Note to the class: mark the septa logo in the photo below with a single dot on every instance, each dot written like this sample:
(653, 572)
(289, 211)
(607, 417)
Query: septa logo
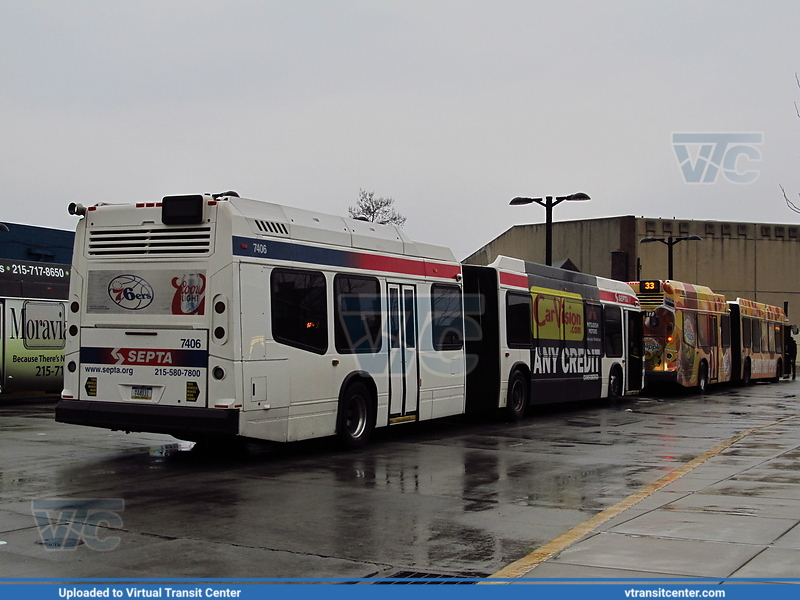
(137, 356)
(130, 292)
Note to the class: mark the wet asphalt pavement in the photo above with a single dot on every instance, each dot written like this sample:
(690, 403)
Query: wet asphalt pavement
(451, 497)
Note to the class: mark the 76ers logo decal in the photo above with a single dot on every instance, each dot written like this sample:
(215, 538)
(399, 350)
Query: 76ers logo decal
(130, 292)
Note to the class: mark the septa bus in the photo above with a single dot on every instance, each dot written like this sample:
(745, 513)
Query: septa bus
(759, 329)
(693, 337)
(32, 324)
(214, 316)
(545, 335)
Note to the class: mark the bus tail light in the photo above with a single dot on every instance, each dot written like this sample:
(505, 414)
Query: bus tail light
(220, 316)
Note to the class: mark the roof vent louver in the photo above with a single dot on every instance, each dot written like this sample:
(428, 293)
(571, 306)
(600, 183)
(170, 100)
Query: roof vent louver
(150, 242)
(272, 227)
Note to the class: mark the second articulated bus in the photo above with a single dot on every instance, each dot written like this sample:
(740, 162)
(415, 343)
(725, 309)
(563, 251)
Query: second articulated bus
(758, 328)
(207, 316)
(693, 337)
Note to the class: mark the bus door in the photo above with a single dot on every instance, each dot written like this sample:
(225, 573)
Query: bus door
(635, 362)
(403, 367)
(713, 359)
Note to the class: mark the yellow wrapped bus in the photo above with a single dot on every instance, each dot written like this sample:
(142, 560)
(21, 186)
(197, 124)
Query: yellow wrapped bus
(693, 337)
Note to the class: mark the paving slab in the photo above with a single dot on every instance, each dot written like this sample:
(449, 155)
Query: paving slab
(772, 563)
(651, 555)
(708, 502)
(713, 527)
(563, 570)
(791, 539)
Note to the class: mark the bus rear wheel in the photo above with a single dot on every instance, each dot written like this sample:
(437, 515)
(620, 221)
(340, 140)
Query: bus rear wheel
(356, 416)
(778, 372)
(517, 402)
(746, 377)
(614, 383)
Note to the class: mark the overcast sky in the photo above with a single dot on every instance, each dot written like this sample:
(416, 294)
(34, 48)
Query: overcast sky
(450, 107)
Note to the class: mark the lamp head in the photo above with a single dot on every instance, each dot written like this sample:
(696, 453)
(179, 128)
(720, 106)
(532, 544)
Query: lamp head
(578, 196)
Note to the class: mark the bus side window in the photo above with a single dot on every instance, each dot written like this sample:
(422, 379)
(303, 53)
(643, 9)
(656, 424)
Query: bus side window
(725, 327)
(52, 335)
(778, 338)
(613, 331)
(358, 314)
(756, 334)
(690, 329)
(703, 335)
(447, 326)
(767, 340)
(518, 320)
(394, 318)
(299, 309)
(747, 333)
(594, 327)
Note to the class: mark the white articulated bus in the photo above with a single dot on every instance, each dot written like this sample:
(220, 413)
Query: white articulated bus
(215, 316)
(201, 316)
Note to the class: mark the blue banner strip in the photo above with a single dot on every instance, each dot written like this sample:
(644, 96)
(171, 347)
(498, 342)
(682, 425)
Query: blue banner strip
(421, 589)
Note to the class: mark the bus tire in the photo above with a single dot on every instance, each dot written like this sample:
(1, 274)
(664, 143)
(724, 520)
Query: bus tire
(747, 376)
(355, 418)
(614, 383)
(518, 396)
(778, 372)
(702, 378)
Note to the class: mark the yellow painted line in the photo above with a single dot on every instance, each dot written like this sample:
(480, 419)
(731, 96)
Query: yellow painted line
(553, 547)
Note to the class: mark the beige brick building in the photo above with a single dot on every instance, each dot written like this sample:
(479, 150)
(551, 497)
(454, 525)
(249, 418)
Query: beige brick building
(759, 261)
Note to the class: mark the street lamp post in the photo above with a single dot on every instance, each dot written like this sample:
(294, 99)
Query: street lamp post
(549, 202)
(670, 242)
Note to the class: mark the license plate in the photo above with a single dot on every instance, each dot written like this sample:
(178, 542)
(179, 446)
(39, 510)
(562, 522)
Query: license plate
(142, 393)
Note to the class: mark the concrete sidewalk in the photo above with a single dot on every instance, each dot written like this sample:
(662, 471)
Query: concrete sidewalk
(736, 515)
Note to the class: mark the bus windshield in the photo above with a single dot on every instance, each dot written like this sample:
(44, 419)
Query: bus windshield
(659, 327)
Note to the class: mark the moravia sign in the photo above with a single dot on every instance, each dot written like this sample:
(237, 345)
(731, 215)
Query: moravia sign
(40, 325)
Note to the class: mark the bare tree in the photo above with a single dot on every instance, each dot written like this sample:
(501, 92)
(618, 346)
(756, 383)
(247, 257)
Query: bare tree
(378, 210)
(789, 203)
